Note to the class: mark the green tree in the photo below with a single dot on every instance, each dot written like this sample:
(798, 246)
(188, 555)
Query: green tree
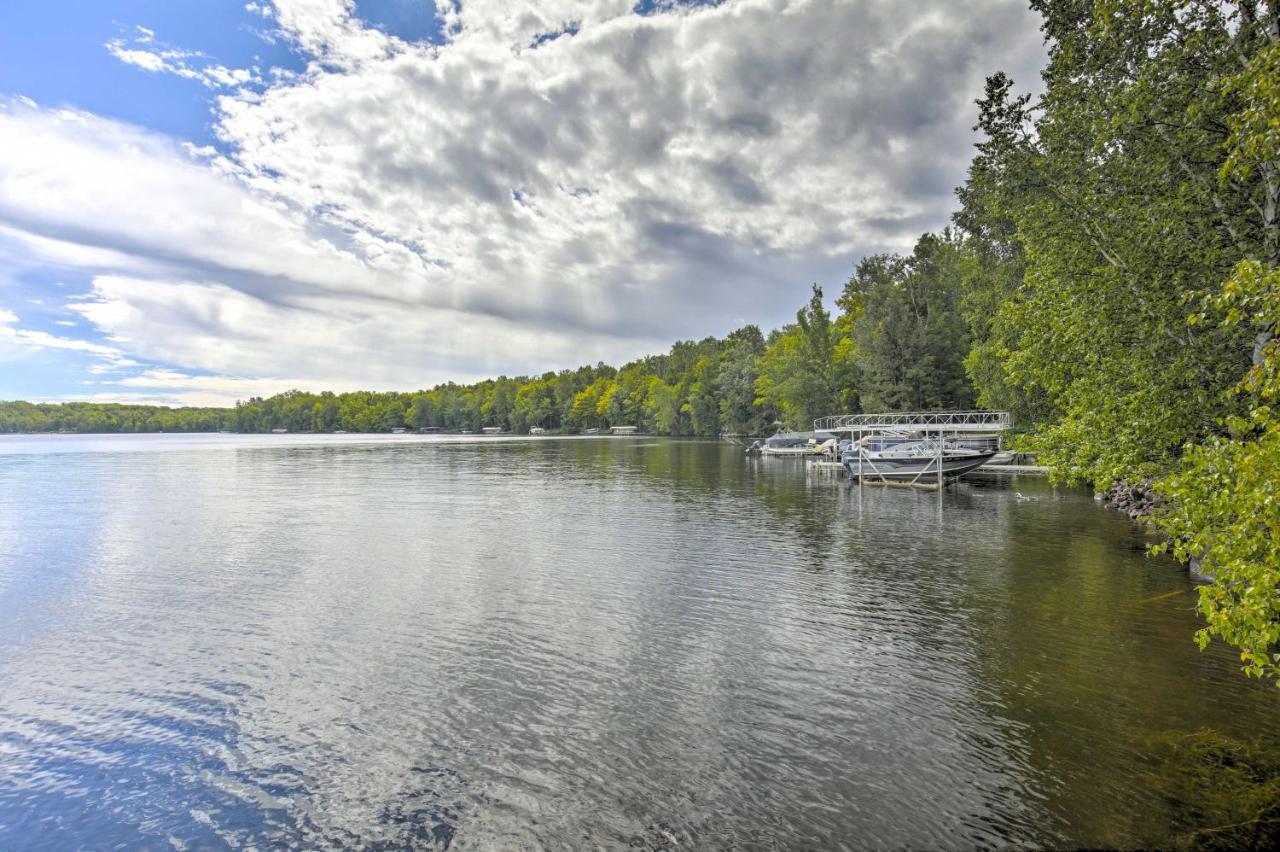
(737, 383)
(796, 372)
(1224, 502)
(1111, 180)
(703, 406)
(908, 337)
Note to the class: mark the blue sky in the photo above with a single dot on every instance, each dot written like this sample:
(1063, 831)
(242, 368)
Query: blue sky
(202, 200)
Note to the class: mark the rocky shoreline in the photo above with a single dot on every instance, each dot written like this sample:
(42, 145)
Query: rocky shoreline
(1137, 500)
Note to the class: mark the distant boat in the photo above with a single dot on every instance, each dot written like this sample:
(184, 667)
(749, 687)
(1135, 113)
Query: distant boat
(279, 431)
(399, 430)
(537, 430)
(592, 432)
(797, 443)
(492, 430)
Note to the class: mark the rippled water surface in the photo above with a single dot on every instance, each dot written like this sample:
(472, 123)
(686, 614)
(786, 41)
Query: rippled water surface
(304, 641)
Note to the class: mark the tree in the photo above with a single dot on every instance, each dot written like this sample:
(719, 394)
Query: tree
(736, 382)
(796, 372)
(1112, 179)
(909, 339)
(662, 406)
(1224, 502)
(421, 412)
(703, 406)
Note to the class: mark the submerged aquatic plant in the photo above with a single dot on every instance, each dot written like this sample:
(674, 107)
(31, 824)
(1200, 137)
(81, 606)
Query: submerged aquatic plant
(1221, 793)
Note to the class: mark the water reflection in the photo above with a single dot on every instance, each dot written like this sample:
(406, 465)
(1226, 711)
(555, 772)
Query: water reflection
(485, 643)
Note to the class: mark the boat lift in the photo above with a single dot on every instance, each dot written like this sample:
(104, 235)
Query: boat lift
(942, 424)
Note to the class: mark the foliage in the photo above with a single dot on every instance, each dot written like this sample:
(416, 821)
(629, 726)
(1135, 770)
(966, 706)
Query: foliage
(1224, 508)
(909, 339)
(797, 371)
(109, 417)
(1109, 187)
(1099, 217)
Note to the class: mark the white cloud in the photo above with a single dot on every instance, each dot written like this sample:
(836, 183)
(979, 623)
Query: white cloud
(342, 341)
(44, 340)
(142, 51)
(403, 213)
(7, 316)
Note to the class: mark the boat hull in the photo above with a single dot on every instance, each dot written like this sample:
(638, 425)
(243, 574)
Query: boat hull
(910, 468)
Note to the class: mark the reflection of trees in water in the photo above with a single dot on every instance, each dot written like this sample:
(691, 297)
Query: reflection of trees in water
(714, 477)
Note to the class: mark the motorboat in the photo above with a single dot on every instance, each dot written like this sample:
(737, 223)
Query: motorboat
(913, 459)
(798, 444)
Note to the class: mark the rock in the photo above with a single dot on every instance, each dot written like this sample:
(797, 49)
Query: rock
(1136, 500)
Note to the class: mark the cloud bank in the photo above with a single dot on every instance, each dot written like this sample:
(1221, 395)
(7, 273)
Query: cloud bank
(555, 183)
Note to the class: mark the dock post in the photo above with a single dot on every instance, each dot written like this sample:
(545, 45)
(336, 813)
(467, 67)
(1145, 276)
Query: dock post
(939, 461)
(860, 452)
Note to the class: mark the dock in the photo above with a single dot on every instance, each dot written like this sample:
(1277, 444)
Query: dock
(1015, 469)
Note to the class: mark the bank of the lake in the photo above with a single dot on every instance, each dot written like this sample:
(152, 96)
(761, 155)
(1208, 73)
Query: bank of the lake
(300, 641)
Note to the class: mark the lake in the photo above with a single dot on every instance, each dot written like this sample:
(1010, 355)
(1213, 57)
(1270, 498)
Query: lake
(216, 641)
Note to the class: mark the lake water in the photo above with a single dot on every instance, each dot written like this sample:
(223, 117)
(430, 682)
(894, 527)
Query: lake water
(316, 641)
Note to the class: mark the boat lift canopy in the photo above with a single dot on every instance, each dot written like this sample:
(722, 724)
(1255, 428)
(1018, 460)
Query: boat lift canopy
(936, 422)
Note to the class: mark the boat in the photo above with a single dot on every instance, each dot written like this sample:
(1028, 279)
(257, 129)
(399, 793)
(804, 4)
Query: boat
(984, 443)
(913, 459)
(798, 444)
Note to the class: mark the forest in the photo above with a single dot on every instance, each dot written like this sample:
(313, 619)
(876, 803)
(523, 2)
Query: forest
(1111, 275)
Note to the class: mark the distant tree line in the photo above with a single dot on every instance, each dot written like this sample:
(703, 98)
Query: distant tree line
(108, 417)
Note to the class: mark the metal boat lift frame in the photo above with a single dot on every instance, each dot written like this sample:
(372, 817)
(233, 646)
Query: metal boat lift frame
(937, 423)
